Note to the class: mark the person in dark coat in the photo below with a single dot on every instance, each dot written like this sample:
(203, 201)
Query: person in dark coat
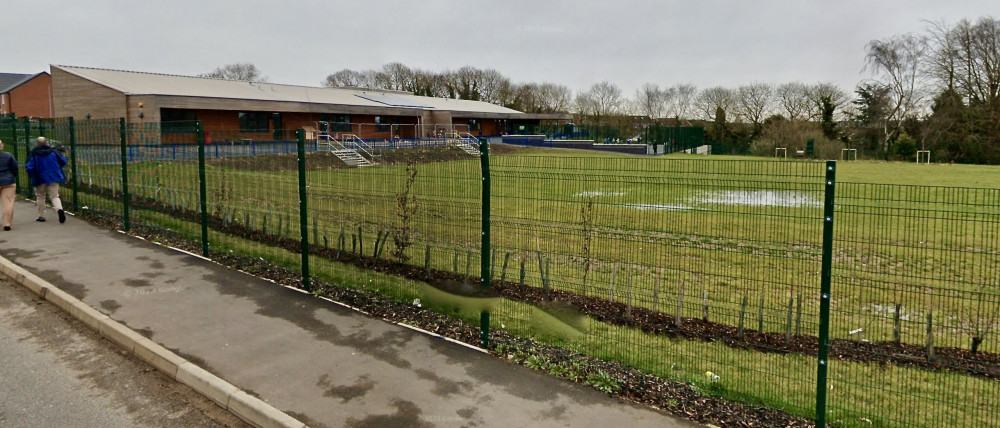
(8, 190)
(44, 167)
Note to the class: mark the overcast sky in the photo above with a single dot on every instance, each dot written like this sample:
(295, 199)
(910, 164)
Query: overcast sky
(576, 43)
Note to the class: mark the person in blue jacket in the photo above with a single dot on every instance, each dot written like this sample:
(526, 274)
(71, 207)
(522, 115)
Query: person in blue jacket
(44, 167)
(8, 170)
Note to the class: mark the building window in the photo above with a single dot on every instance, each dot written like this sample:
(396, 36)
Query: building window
(253, 121)
(177, 120)
(338, 122)
(384, 124)
(473, 125)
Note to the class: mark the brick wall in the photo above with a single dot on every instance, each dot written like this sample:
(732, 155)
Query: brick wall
(78, 97)
(32, 98)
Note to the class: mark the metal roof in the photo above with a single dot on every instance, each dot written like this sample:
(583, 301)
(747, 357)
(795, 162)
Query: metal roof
(10, 81)
(140, 83)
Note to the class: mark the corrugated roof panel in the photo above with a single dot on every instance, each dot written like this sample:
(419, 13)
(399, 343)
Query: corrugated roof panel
(138, 83)
(394, 101)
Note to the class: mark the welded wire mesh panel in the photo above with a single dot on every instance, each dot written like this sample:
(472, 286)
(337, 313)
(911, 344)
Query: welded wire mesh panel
(98, 165)
(915, 296)
(252, 195)
(408, 226)
(688, 269)
(163, 180)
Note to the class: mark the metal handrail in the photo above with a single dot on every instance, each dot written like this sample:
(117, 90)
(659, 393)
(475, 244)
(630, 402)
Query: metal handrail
(359, 144)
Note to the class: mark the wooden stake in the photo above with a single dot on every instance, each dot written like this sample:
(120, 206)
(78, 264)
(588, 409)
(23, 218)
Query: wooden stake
(628, 298)
(361, 243)
(743, 313)
(930, 337)
(680, 305)
(503, 273)
(522, 277)
(798, 315)
(547, 281)
(468, 264)
(493, 264)
(378, 239)
(656, 294)
(614, 274)
(427, 260)
(541, 273)
(760, 316)
(704, 305)
(788, 321)
(896, 334)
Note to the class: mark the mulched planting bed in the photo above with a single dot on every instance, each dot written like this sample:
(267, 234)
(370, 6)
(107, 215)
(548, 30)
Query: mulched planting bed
(980, 364)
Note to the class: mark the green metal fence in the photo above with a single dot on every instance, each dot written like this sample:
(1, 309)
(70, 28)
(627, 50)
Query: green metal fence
(762, 282)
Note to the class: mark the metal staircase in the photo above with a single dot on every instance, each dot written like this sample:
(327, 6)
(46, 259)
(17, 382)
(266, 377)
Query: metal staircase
(468, 143)
(349, 148)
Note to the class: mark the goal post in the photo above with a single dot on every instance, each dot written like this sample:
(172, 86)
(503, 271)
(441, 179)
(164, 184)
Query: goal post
(849, 154)
(781, 152)
(923, 156)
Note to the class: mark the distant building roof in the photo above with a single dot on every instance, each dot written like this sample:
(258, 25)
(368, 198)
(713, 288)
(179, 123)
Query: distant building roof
(10, 81)
(140, 83)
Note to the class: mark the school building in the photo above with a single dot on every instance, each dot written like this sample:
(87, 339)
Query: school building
(266, 111)
(26, 95)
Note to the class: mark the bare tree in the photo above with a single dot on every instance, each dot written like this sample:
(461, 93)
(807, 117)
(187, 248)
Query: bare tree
(681, 100)
(557, 97)
(429, 84)
(493, 86)
(244, 71)
(819, 92)
(650, 101)
(711, 100)
(794, 100)
(344, 78)
(600, 101)
(897, 63)
(396, 77)
(753, 102)
(966, 58)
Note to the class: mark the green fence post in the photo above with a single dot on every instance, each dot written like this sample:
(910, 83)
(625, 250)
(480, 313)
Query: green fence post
(72, 164)
(13, 152)
(484, 256)
(27, 150)
(303, 211)
(824, 303)
(123, 136)
(202, 187)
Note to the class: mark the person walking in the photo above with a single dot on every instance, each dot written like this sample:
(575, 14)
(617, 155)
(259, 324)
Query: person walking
(8, 190)
(44, 167)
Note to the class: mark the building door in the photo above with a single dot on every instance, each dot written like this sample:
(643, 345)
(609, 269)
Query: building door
(277, 127)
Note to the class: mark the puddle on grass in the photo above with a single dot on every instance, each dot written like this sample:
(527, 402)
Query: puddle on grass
(659, 207)
(758, 198)
(754, 198)
(590, 194)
